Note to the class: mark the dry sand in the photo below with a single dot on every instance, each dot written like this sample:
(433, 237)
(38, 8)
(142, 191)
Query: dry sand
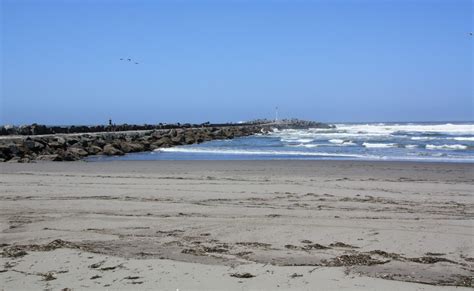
(236, 225)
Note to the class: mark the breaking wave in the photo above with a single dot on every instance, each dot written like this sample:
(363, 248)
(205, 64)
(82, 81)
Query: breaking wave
(374, 141)
(379, 145)
(446, 147)
(254, 152)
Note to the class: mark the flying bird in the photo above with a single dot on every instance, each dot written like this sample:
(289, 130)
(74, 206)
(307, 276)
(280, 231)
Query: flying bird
(129, 60)
(136, 63)
(121, 59)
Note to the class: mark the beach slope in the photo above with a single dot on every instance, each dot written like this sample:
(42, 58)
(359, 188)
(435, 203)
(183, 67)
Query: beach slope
(319, 225)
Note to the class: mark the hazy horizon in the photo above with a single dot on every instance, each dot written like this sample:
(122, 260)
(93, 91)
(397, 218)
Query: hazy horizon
(357, 61)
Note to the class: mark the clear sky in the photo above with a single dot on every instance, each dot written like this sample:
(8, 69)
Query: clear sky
(353, 60)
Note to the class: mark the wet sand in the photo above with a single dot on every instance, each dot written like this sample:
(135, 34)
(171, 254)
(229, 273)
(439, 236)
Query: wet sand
(170, 225)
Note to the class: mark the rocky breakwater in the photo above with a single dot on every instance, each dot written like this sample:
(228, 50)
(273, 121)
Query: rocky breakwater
(72, 147)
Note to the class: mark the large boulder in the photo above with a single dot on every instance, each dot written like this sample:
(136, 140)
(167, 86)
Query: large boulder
(5, 152)
(53, 157)
(77, 152)
(15, 149)
(33, 145)
(68, 155)
(94, 150)
(162, 142)
(110, 150)
(72, 140)
(173, 132)
(156, 134)
(137, 147)
(57, 142)
(190, 136)
(129, 147)
(100, 142)
(178, 140)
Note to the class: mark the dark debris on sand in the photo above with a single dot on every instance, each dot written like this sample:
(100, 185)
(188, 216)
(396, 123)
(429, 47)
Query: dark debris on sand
(295, 275)
(242, 275)
(21, 250)
(457, 280)
(352, 260)
(309, 246)
(342, 245)
(49, 276)
(255, 244)
(429, 260)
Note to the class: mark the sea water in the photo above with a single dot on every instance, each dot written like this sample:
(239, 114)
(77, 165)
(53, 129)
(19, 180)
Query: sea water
(437, 142)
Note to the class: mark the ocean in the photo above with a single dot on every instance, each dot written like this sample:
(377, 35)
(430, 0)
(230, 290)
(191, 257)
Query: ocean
(430, 142)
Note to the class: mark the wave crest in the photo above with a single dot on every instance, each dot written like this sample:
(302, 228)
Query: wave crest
(446, 147)
(254, 152)
(379, 145)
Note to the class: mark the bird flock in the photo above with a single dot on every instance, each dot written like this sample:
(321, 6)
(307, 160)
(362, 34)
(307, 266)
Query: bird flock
(129, 60)
(136, 63)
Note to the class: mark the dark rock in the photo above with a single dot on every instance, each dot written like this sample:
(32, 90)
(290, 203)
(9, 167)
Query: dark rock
(94, 150)
(15, 149)
(110, 150)
(77, 152)
(178, 140)
(74, 147)
(128, 147)
(57, 142)
(14, 160)
(164, 141)
(173, 133)
(53, 157)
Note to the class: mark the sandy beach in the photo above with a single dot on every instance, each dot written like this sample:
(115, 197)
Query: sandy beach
(236, 225)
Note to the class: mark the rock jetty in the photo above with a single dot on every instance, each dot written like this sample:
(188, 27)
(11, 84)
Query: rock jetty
(37, 142)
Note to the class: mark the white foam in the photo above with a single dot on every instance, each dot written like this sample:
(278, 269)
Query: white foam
(464, 138)
(411, 146)
(253, 152)
(446, 147)
(336, 140)
(342, 142)
(302, 140)
(307, 145)
(447, 128)
(379, 145)
(423, 138)
(367, 132)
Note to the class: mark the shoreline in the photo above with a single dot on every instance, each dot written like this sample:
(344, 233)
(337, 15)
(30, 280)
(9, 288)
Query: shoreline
(73, 147)
(290, 224)
(39, 142)
(106, 159)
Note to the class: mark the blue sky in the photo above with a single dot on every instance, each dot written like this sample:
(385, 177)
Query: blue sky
(353, 60)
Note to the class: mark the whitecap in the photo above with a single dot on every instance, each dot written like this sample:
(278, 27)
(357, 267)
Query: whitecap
(464, 138)
(335, 140)
(446, 147)
(342, 142)
(302, 140)
(388, 129)
(305, 145)
(423, 138)
(379, 145)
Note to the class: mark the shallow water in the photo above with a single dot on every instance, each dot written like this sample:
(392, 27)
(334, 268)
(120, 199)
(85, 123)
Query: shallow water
(438, 142)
